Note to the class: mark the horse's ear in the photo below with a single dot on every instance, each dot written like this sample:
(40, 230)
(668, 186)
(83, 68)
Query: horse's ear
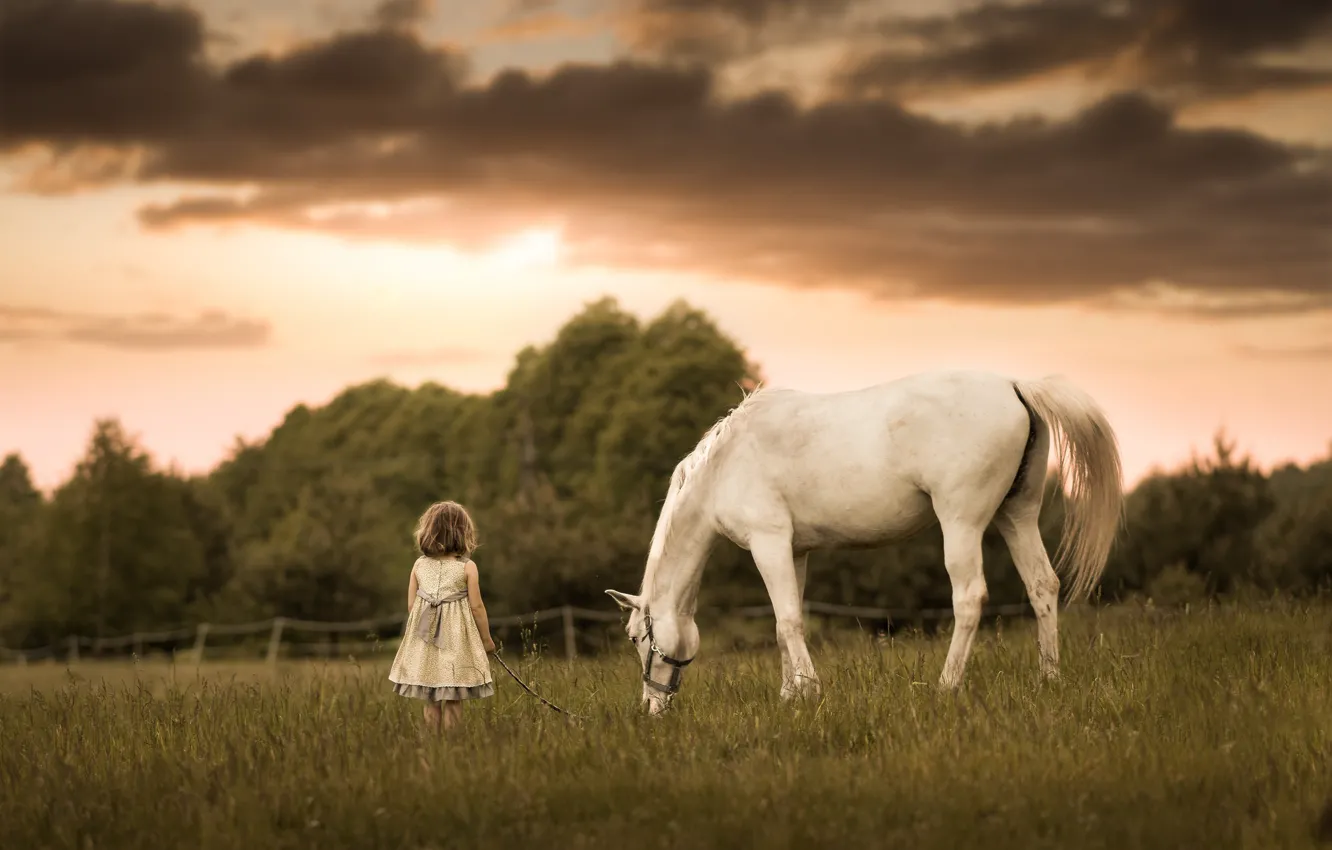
(625, 600)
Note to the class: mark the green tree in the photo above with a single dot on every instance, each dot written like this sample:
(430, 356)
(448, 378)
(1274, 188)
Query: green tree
(680, 377)
(550, 386)
(572, 507)
(20, 512)
(1204, 518)
(342, 553)
(564, 468)
(1295, 544)
(123, 547)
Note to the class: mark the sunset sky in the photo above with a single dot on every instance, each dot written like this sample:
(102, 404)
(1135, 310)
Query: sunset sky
(211, 212)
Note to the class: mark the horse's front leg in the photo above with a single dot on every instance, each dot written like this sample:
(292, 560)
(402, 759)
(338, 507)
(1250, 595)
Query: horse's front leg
(784, 576)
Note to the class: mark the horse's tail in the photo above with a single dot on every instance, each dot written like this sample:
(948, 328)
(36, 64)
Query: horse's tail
(1090, 473)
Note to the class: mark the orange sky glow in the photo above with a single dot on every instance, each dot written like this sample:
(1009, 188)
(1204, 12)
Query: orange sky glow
(102, 314)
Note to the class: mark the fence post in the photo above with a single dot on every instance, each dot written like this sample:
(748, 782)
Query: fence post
(73, 649)
(570, 637)
(275, 640)
(200, 638)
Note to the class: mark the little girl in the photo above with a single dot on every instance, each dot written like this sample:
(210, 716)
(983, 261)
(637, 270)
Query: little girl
(442, 657)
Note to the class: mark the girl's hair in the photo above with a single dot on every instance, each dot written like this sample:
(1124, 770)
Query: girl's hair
(445, 529)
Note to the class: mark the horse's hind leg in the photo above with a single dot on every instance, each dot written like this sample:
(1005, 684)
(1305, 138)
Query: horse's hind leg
(1019, 526)
(962, 558)
(784, 578)
(801, 562)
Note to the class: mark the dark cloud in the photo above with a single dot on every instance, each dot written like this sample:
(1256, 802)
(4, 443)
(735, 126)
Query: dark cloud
(120, 71)
(101, 71)
(527, 7)
(1185, 48)
(716, 30)
(403, 13)
(752, 12)
(377, 135)
(60, 41)
(147, 331)
(540, 20)
(1219, 28)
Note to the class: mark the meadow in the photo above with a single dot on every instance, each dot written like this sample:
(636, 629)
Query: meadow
(1209, 728)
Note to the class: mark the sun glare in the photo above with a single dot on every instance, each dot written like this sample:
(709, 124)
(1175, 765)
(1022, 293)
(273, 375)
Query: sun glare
(528, 249)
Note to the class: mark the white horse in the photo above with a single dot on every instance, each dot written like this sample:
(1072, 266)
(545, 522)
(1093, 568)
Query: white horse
(786, 472)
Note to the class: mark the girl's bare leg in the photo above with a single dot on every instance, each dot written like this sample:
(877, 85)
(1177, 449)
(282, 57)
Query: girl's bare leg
(452, 713)
(432, 716)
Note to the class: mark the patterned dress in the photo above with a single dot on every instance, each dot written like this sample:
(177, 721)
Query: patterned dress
(441, 656)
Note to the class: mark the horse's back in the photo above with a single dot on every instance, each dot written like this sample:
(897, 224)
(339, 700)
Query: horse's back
(915, 414)
(864, 466)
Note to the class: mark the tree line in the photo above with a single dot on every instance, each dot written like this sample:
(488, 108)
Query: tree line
(564, 469)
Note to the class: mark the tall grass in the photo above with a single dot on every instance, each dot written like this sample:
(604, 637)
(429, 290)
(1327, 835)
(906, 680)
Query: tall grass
(1210, 729)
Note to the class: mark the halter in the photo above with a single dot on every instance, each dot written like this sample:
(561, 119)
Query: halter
(677, 666)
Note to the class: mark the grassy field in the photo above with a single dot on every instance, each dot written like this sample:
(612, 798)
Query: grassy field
(1211, 729)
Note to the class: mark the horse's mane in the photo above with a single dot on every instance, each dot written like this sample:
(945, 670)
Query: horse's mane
(686, 472)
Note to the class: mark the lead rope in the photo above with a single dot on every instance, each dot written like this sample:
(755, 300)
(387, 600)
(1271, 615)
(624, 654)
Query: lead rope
(524, 686)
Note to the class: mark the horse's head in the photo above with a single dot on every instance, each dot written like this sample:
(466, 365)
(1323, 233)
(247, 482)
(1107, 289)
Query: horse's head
(662, 644)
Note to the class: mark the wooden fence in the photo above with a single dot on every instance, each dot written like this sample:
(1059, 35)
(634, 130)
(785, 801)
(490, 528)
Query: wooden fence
(70, 648)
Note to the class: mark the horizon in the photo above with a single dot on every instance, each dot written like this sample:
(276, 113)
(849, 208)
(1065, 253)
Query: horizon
(222, 212)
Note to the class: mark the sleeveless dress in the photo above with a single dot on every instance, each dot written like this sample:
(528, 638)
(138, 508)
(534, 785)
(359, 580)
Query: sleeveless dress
(441, 656)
